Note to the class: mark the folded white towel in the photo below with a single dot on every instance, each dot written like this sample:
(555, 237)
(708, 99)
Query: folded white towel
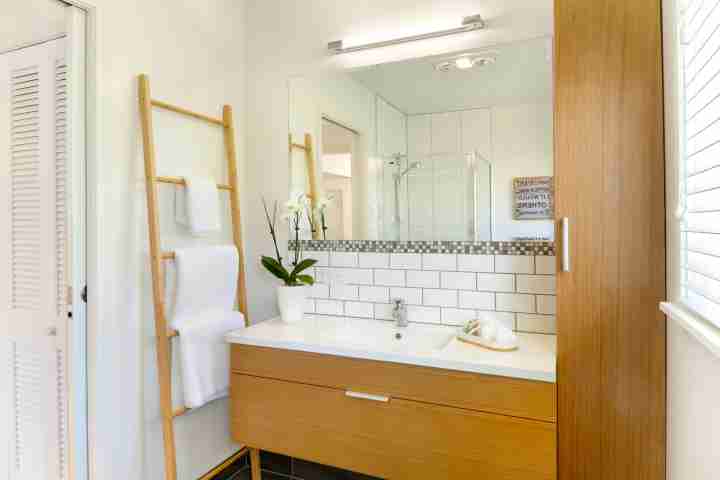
(197, 206)
(205, 298)
(491, 330)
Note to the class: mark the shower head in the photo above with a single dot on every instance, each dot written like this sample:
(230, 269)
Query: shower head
(396, 159)
(412, 166)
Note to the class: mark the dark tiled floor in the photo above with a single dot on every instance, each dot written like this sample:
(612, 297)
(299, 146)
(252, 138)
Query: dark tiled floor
(280, 467)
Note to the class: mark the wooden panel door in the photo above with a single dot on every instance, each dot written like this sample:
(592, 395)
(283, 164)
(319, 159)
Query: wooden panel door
(610, 184)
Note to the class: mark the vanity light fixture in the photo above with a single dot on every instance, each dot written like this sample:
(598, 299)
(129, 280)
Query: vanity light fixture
(469, 24)
(464, 62)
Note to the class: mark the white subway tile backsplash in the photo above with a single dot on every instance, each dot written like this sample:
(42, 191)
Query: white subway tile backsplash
(475, 263)
(343, 259)
(383, 311)
(546, 304)
(374, 260)
(390, 278)
(310, 305)
(517, 290)
(354, 276)
(423, 279)
(323, 258)
(328, 307)
(458, 280)
(456, 316)
(423, 314)
(319, 290)
(536, 323)
(507, 319)
(545, 265)
(514, 264)
(439, 261)
(374, 294)
(407, 261)
(515, 302)
(495, 282)
(536, 284)
(479, 300)
(411, 296)
(440, 298)
(359, 309)
(341, 291)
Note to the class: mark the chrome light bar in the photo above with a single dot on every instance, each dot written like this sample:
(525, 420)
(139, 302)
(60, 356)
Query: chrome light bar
(469, 24)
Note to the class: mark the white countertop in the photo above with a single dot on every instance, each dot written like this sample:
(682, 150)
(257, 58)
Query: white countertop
(421, 344)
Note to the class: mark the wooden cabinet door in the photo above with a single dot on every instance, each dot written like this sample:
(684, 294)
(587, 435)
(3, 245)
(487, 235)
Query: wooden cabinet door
(610, 184)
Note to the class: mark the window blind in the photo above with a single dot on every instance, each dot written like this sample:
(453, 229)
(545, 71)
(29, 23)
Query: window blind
(699, 213)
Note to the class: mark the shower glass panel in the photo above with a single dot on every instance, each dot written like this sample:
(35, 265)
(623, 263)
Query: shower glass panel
(443, 196)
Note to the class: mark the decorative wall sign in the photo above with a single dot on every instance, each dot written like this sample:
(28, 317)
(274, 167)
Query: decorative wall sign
(533, 198)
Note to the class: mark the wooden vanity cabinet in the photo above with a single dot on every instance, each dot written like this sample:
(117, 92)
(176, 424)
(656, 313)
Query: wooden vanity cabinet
(416, 423)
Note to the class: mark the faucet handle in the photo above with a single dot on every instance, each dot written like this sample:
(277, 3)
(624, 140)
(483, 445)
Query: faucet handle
(398, 303)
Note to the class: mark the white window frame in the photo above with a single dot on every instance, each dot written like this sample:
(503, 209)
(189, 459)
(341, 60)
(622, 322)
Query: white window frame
(705, 332)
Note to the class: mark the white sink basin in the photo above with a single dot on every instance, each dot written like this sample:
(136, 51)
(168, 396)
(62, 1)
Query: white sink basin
(385, 336)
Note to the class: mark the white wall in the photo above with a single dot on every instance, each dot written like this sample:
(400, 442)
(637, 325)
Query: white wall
(194, 53)
(287, 39)
(25, 21)
(693, 408)
(522, 138)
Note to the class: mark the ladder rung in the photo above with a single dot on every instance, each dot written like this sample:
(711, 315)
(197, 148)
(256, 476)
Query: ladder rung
(167, 255)
(180, 412)
(185, 111)
(173, 333)
(297, 145)
(181, 181)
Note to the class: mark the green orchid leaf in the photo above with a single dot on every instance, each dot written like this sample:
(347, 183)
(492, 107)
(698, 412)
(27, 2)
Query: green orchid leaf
(274, 267)
(306, 279)
(303, 265)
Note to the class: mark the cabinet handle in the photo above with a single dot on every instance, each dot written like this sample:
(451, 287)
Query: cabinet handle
(367, 396)
(565, 222)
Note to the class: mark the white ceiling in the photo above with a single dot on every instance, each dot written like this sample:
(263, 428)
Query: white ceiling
(522, 73)
(25, 21)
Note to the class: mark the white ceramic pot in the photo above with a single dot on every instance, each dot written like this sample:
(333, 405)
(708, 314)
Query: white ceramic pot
(291, 301)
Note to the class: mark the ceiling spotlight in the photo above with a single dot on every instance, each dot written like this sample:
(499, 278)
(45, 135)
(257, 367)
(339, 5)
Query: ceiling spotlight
(464, 62)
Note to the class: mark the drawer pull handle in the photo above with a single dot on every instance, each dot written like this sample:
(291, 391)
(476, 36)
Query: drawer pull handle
(367, 396)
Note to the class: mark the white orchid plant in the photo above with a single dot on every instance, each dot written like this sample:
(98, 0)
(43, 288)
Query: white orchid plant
(322, 205)
(293, 276)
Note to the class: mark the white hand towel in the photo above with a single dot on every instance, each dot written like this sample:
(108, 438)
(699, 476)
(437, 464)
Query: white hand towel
(205, 297)
(491, 330)
(197, 206)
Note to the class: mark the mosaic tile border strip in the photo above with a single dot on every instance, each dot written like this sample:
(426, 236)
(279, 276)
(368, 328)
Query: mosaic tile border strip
(456, 247)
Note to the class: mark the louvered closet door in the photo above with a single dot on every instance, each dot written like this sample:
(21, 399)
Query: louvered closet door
(33, 310)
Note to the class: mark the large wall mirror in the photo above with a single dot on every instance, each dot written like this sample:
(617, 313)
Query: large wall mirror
(457, 147)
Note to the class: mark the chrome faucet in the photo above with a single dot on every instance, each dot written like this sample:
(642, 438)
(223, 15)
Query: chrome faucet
(399, 312)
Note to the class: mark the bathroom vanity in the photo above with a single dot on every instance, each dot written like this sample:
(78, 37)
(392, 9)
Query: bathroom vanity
(397, 403)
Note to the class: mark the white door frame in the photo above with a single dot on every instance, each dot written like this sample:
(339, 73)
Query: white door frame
(77, 333)
(82, 348)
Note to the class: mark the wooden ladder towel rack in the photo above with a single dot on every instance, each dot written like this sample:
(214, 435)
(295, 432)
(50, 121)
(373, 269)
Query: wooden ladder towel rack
(157, 256)
(312, 194)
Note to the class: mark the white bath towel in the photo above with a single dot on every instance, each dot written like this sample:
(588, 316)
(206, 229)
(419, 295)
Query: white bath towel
(203, 314)
(197, 206)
